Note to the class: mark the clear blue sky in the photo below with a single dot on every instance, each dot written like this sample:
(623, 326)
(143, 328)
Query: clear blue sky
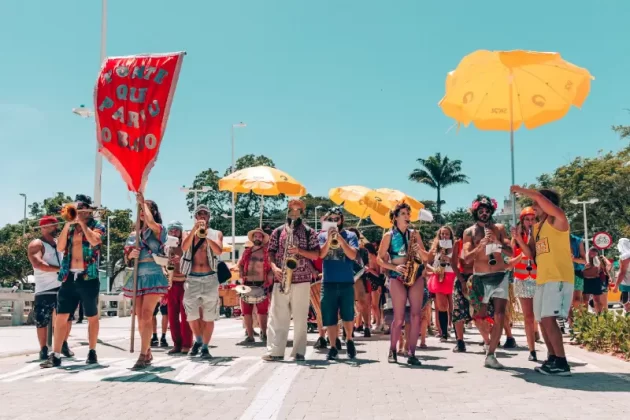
(327, 89)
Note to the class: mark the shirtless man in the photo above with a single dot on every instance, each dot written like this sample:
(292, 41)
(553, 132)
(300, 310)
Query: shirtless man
(484, 244)
(255, 271)
(80, 240)
(199, 263)
(46, 260)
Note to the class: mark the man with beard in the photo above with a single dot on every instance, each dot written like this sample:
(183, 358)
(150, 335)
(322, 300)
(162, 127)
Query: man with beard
(484, 244)
(338, 281)
(80, 241)
(180, 330)
(46, 260)
(550, 247)
(255, 271)
(201, 295)
(297, 241)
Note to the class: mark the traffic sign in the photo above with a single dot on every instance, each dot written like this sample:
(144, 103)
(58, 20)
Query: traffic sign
(602, 240)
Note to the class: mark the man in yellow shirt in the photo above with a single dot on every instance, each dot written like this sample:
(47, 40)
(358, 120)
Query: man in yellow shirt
(550, 247)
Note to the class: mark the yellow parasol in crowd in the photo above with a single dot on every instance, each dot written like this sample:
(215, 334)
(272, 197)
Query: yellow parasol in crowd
(391, 198)
(502, 90)
(261, 180)
(356, 200)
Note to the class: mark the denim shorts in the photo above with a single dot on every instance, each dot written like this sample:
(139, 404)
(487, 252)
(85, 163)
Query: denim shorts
(337, 299)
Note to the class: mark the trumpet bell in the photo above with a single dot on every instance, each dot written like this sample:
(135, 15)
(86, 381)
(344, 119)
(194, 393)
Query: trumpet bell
(69, 212)
(291, 263)
(202, 233)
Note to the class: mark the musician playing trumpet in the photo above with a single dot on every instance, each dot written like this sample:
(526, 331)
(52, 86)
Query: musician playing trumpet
(80, 241)
(485, 242)
(400, 247)
(290, 299)
(338, 249)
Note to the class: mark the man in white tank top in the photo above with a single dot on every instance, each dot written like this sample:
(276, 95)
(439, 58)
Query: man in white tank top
(45, 259)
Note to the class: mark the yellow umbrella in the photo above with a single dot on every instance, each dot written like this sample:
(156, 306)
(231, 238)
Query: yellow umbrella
(390, 198)
(502, 90)
(356, 200)
(261, 180)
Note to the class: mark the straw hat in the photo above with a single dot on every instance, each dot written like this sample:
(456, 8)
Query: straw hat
(250, 235)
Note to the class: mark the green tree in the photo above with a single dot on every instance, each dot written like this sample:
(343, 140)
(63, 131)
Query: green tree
(120, 226)
(458, 216)
(438, 173)
(50, 206)
(14, 263)
(622, 130)
(248, 205)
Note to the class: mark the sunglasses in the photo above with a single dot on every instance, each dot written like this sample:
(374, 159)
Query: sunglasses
(483, 210)
(334, 219)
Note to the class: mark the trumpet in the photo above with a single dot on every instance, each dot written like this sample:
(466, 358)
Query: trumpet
(491, 259)
(334, 242)
(69, 212)
(202, 232)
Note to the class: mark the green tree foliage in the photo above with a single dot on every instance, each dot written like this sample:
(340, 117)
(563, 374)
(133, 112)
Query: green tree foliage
(14, 263)
(438, 173)
(622, 130)
(50, 206)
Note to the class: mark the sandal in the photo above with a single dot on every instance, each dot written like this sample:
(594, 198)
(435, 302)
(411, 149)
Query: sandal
(173, 351)
(141, 363)
(149, 357)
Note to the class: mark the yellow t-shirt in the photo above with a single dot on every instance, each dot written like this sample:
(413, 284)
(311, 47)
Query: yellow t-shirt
(553, 255)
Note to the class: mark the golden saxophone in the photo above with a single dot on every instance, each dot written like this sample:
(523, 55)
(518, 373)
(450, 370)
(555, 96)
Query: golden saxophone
(439, 269)
(290, 262)
(412, 266)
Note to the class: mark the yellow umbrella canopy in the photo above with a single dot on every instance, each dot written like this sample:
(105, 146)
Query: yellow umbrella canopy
(390, 198)
(355, 199)
(262, 180)
(502, 90)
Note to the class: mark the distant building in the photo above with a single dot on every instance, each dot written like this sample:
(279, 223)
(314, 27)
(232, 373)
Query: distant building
(505, 214)
(227, 247)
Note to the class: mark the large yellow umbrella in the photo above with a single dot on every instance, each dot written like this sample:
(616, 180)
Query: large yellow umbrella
(392, 198)
(356, 200)
(502, 90)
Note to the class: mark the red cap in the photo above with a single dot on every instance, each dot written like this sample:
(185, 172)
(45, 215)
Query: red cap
(47, 220)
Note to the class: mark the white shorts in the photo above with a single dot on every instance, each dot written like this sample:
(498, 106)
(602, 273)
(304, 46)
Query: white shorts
(202, 293)
(553, 300)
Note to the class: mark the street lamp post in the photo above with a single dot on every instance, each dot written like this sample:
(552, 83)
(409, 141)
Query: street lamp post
(24, 221)
(317, 208)
(109, 270)
(584, 203)
(205, 188)
(238, 125)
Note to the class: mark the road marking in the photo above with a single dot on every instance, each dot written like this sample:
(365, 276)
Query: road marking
(268, 401)
(216, 375)
(207, 388)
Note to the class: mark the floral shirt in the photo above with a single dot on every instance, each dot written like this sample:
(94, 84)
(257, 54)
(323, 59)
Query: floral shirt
(304, 237)
(91, 254)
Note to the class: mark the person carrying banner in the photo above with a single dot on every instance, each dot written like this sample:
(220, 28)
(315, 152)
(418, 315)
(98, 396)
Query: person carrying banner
(201, 296)
(80, 241)
(152, 284)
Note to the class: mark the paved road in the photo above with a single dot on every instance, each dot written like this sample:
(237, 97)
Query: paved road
(238, 385)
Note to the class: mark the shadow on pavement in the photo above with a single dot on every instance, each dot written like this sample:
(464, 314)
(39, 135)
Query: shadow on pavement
(425, 367)
(579, 381)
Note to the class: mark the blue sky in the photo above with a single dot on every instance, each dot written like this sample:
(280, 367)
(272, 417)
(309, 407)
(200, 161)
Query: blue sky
(328, 89)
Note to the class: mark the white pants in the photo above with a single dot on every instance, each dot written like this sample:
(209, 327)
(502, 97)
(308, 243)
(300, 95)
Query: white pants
(553, 300)
(282, 307)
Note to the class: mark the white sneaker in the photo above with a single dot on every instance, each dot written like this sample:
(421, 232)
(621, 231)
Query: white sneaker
(492, 362)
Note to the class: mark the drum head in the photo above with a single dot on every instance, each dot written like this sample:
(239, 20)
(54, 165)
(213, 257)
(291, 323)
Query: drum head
(241, 289)
(254, 296)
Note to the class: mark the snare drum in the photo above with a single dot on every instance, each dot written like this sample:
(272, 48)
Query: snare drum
(254, 296)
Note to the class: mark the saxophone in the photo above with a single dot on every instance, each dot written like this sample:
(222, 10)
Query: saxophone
(411, 265)
(439, 268)
(290, 263)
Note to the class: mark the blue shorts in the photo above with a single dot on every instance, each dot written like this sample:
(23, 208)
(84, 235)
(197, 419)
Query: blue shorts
(337, 299)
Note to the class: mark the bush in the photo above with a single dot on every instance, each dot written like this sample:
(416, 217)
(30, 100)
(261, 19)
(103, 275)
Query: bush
(607, 332)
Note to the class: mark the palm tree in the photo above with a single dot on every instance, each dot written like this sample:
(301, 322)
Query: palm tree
(439, 172)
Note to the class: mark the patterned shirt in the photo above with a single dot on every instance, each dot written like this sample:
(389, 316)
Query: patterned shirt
(305, 238)
(91, 253)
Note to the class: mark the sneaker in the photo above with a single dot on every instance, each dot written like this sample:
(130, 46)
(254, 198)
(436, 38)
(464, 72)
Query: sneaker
(460, 347)
(270, 358)
(555, 369)
(532, 356)
(320, 344)
(413, 361)
(352, 351)
(392, 357)
(43, 353)
(53, 361)
(510, 343)
(338, 344)
(550, 360)
(154, 341)
(332, 354)
(367, 333)
(263, 337)
(249, 340)
(492, 362)
(443, 339)
(299, 358)
(205, 354)
(195, 349)
(91, 359)
(163, 342)
(359, 328)
(65, 350)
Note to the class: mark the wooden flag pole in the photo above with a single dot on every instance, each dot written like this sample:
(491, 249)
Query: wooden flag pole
(135, 284)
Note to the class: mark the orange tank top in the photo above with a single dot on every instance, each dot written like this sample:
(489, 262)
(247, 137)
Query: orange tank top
(521, 271)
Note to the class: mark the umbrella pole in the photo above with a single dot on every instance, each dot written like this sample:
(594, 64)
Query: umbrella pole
(262, 206)
(510, 84)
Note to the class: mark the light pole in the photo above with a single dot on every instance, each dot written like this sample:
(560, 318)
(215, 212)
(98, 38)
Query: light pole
(84, 112)
(24, 222)
(584, 203)
(205, 188)
(109, 270)
(317, 208)
(238, 125)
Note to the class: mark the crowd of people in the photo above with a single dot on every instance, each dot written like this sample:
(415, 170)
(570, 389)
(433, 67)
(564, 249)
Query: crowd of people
(467, 274)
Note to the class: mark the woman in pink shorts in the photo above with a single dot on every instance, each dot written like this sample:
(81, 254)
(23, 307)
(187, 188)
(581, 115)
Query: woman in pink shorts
(443, 271)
